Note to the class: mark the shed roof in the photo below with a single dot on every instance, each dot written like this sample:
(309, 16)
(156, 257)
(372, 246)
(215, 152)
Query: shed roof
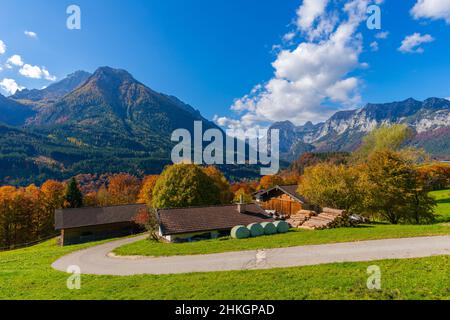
(290, 190)
(202, 219)
(92, 216)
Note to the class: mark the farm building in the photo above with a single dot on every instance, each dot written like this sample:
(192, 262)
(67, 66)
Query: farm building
(284, 200)
(92, 224)
(190, 224)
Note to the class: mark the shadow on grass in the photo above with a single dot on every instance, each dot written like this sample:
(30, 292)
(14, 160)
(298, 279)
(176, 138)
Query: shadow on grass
(443, 201)
(366, 226)
(439, 218)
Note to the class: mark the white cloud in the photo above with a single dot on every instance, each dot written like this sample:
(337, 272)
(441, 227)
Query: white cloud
(2, 47)
(15, 60)
(382, 35)
(374, 46)
(10, 86)
(312, 79)
(31, 34)
(27, 70)
(411, 44)
(308, 12)
(289, 36)
(36, 72)
(432, 9)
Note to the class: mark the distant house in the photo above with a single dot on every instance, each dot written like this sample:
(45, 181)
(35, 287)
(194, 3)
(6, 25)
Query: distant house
(92, 224)
(188, 224)
(284, 200)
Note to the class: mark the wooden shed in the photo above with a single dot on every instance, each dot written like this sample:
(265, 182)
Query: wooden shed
(91, 224)
(283, 199)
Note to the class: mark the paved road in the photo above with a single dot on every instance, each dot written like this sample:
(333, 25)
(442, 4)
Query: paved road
(96, 260)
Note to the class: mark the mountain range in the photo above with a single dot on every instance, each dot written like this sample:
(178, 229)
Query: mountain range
(110, 122)
(429, 119)
(89, 123)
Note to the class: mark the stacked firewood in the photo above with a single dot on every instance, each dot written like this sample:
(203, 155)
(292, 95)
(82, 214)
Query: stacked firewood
(300, 218)
(329, 218)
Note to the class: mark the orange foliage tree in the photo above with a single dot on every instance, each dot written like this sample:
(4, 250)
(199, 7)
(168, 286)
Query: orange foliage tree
(123, 189)
(268, 182)
(146, 192)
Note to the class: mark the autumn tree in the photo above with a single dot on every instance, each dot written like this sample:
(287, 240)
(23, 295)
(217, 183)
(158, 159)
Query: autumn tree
(41, 215)
(310, 159)
(291, 179)
(394, 190)
(123, 189)
(184, 185)
(268, 182)
(435, 175)
(146, 192)
(53, 195)
(243, 195)
(226, 196)
(146, 218)
(335, 186)
(421, 205)
(53, 192)
(73, 195)
(16, 224)
(383, 138)
(103, 198)
(248, 187)
(90, 199)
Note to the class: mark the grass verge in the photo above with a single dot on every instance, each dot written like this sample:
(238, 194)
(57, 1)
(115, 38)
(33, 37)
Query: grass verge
(27, 274)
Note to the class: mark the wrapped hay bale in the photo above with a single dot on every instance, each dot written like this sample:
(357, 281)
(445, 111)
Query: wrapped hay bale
(240, 232)
(282, 226)
(256, 230)
(269, 228)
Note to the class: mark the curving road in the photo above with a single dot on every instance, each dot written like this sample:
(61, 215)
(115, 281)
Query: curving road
(98, 261)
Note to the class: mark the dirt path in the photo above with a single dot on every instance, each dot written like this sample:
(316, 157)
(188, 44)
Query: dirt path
(96, 260)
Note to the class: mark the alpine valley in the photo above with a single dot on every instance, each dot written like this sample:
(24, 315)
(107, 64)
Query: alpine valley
(108, 122)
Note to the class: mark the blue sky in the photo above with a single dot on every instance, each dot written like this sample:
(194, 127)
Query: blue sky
(211, 54)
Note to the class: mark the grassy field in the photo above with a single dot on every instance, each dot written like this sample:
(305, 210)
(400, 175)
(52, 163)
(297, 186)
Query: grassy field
(443, 209)
(298, 237)
(26, 274)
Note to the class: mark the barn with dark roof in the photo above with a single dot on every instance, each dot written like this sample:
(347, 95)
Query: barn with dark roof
(91, 224)
(197, 223)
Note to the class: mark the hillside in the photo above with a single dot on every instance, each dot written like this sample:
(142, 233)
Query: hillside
(13, 112)
(53, 92)
(109, 123)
